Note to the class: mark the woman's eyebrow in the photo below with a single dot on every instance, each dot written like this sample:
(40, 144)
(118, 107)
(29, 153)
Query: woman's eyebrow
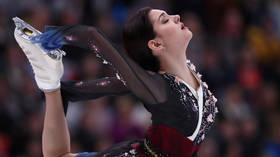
(162, 14)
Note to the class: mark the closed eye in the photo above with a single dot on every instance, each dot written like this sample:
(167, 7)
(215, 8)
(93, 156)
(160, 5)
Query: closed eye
(165, 21)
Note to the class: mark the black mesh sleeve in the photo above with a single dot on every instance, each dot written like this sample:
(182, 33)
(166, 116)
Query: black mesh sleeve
(85, 90)
(149, 87)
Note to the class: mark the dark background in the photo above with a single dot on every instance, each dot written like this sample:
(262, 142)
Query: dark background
(236, 47)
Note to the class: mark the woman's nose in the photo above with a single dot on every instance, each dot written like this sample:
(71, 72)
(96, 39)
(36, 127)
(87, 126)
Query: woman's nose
(176, 18)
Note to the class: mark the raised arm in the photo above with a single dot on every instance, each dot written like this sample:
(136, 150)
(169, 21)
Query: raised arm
(150, 88)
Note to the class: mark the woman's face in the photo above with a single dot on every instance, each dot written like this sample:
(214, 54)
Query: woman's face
(169, 29)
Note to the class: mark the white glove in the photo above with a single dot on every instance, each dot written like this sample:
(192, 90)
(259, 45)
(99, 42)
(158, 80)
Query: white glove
(48, 71)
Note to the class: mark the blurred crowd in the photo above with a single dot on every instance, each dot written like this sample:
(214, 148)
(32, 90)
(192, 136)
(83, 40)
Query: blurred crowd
(235, 45)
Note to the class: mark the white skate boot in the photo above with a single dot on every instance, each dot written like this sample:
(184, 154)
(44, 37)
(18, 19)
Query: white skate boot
(47, 65)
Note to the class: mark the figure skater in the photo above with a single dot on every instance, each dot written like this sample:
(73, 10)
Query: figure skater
(154, 68)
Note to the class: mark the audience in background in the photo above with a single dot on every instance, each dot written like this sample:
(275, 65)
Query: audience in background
(236, 47)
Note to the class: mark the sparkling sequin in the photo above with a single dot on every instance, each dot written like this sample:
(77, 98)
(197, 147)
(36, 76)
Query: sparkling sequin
(95, 48)
(199, 75)
(151, 72)
(207, 103)
(103, 83)
(69, 38)
(215, 99)
(120, 78)
(192, 67)
(79, 83)
(203, 136)
(210, 118)
(205, 85)
(132, 151)
(216, 110)
(209, 92)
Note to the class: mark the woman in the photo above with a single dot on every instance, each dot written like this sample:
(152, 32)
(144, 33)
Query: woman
(158, 73)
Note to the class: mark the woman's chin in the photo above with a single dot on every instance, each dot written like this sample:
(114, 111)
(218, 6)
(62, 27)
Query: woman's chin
(188, 38)
(190, 34)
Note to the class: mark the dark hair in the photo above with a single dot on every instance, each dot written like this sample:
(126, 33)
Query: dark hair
(137, 31)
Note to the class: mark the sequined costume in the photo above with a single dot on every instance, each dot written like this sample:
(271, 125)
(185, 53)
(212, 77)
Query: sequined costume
(181, 116)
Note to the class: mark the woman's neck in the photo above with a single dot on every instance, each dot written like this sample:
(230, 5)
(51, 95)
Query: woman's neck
(173, 65)
(178, 66)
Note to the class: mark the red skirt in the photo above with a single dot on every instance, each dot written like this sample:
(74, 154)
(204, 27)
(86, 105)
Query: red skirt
(170, 141)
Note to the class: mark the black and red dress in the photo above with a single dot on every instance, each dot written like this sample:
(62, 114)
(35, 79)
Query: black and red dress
(181, 116)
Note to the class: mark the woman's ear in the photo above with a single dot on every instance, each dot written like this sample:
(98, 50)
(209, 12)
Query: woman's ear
(155, 46)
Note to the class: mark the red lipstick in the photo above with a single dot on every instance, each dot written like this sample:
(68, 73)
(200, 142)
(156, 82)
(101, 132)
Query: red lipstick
(183, 26)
